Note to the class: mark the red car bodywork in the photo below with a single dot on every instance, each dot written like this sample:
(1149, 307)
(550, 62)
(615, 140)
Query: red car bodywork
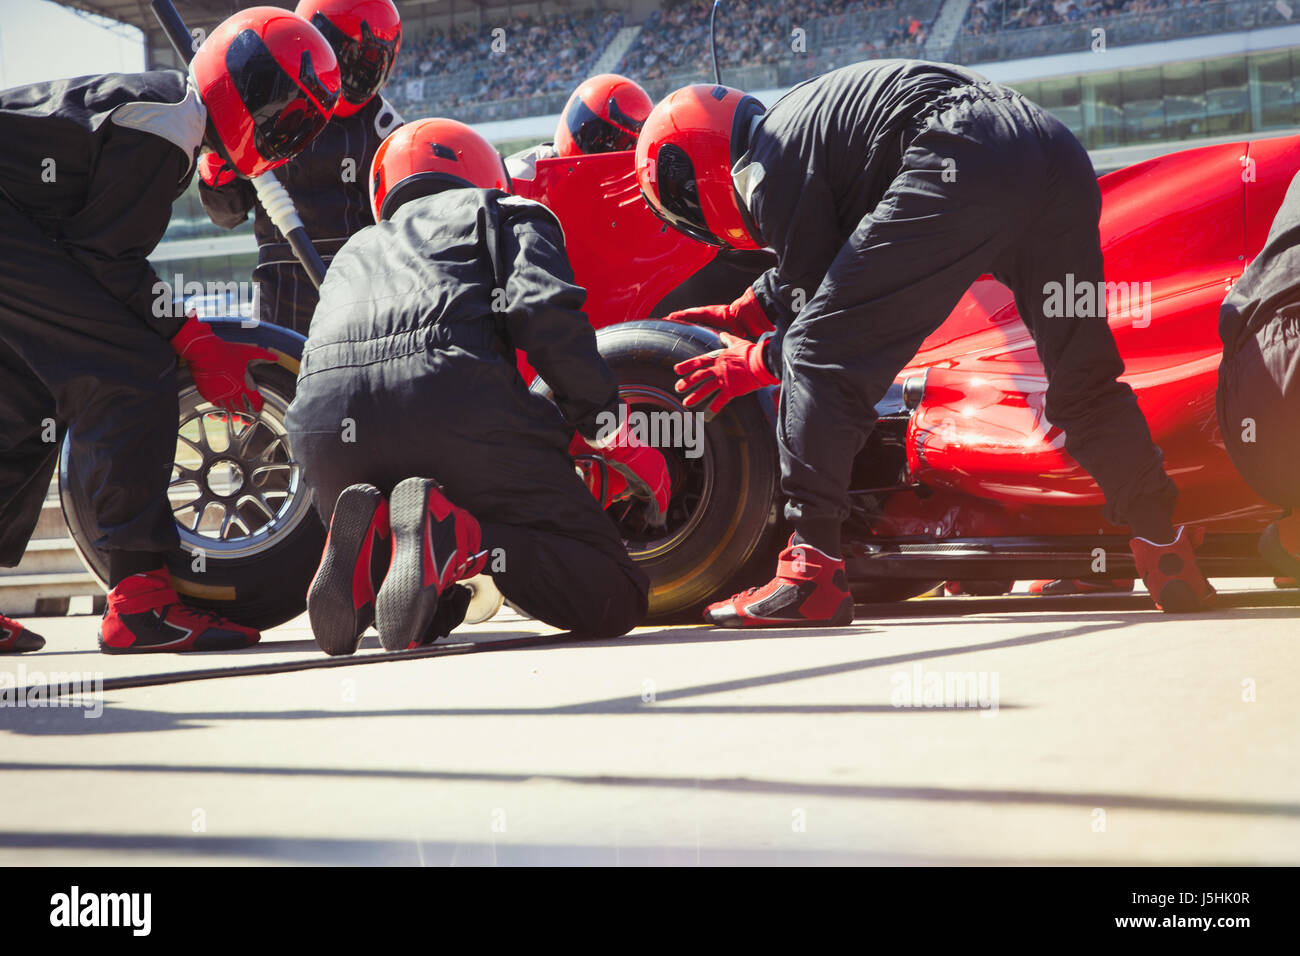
(1187, 224)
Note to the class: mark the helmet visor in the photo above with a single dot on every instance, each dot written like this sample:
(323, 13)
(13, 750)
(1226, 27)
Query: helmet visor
(365, 64)
(679, 195)
(284, 117)
(595, 134)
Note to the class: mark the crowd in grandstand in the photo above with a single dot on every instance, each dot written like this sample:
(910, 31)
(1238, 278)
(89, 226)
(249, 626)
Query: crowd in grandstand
(498, 66)
(533, 56)
(991, 16)
(755, 33)
(529, 56)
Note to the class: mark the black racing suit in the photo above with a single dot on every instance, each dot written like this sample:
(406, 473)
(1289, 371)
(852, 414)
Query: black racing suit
(89, 169)
(409, 372)
(1259, 377)
(328, 182)
(886, 188)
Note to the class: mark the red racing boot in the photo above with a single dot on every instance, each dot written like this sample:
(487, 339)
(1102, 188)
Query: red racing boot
(809, 590)
(1171, 574)
(144, 615)
(435, 544)
(16, 639)
(1082, 586)
(341, 599)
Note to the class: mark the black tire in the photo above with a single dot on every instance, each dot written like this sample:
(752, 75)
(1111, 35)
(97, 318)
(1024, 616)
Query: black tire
(722, 523)
(259, 576)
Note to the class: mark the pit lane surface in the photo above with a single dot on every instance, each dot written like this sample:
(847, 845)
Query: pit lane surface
(1040, 730)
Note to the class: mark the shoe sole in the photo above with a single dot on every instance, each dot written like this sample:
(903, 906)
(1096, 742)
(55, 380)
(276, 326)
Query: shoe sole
(24, 644)
(235, 642)
(405, 608)
(843, 617)
(336, 621)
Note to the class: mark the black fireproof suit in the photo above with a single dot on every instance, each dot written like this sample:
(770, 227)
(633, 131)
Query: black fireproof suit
(409, 372)
(1259, 377)
(886, 188)
(328, 184)
(89, 169)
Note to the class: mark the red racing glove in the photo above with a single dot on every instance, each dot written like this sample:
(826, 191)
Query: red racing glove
(723, 374)
(744, 317)
(220, 368)
(215, 171)
(637, 470)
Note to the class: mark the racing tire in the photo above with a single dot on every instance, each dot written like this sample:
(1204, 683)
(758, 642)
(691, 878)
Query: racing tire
(250, 537)
(721, 532)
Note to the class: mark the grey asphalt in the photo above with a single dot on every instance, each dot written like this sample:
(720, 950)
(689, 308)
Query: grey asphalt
(948, 730)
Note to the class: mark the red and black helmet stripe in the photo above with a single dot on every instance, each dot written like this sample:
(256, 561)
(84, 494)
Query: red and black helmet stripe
(284, 117)
(594, 134)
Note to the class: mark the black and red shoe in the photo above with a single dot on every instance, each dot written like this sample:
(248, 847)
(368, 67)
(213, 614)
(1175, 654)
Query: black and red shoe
(1171, 574)
(144, 615)
(810, 590)
(341, 599)
(16, 639)
(1082, 586)
(435, 544)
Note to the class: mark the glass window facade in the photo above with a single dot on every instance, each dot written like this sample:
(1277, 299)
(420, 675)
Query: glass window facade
(1220, 97)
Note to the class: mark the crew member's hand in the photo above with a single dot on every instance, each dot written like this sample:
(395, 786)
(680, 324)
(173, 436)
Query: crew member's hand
(744, 317)
(605, 484)
(213, 170)
(220, 368)
(723, 374)
(640, 468)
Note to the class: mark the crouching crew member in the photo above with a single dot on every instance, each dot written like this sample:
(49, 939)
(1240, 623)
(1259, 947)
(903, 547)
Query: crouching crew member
(88, 174)
(886, 188)
(1259, 380)
(418, 436)
(327, 182)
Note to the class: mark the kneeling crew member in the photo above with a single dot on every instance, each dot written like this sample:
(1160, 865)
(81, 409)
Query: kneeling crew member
(416, 432)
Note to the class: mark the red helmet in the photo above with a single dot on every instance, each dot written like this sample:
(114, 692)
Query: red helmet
(270, 83)
(683, 161)
(604, 115)
(365, 35)
(428, 156)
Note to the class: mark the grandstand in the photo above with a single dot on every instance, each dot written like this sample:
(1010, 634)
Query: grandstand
(538, 59)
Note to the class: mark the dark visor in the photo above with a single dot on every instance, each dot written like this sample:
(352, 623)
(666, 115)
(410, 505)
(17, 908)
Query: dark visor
(595, 134)
(679, 195)
(284, 117)
(365, 64)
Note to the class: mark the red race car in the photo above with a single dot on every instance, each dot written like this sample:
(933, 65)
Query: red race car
(963, 479)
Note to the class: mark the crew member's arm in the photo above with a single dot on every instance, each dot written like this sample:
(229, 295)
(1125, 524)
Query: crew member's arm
(226, 198)
(543, 312)
(806, 243)
(544, 318)
(128, 203)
